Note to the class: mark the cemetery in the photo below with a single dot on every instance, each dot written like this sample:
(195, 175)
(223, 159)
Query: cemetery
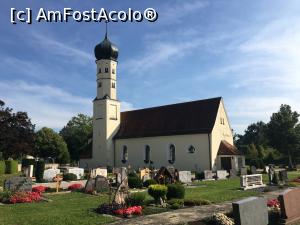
(123, 194)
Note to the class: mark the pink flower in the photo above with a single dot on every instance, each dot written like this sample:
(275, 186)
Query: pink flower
(39, 189)
(74, 187)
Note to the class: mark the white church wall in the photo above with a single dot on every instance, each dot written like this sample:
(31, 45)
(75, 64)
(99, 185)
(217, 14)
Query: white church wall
(221, 131)
(159, 147)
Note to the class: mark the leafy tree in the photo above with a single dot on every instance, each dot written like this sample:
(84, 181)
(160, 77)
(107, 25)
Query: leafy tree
(252, 152)
(16, 133)
(283, 132)
(77, 134)
(48, 143)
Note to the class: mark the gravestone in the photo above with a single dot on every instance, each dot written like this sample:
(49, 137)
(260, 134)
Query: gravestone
(49, 174)
(28, 171)
(18, 184)
(253, 170)
(101, 184)
(283, 176)
(79, 172)
(101, 171)
(208, 175)
(146, 177)
(290, 206)
(233, 173)
(271, 174)
(251, 181)
(90, 185)
(144, 172)
(163, 176)
(185, 176)
(250, 211)
(243, 171)
(267, 168)
(121, 193)
(121, 173)
(222, 174)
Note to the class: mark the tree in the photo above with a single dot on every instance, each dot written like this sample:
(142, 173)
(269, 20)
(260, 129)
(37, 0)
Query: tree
(48, 143)
(283, 132)
(16, 133)
(77, 134)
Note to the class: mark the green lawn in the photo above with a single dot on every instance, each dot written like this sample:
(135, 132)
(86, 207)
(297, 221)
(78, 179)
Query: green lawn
(68, 209)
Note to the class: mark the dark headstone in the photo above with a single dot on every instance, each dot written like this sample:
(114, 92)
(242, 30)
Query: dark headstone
(101, 184)
(290, 206)
(18, 184)
(283, 176)
(243, 171)
(253, 170)
(250, 211)
(90, 185)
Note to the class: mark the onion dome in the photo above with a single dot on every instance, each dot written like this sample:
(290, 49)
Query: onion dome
(106, 50)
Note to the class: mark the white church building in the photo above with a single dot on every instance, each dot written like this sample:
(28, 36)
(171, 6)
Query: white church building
(192, 136)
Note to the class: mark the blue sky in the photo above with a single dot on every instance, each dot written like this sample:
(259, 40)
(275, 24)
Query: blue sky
(248, 52)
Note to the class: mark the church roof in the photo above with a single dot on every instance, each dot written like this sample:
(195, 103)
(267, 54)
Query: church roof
(226, 148)
(194, 117)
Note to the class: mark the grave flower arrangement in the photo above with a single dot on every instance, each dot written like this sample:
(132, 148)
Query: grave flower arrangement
(273, 204)
(24, 197)
(75, 187)
(126, 212)
(39, 189)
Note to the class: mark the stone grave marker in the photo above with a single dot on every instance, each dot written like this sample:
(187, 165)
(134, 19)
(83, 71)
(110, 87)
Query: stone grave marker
(222, 174)
(251, 181)
(208, 175)
(101, 171)
(90, 185)
(250, 211)
(144, 172)
(290, 206)
(146, 177)
(271, 174)
(267, 168)
(283, 176)
(121, 192)
(101, 184)
(79, 172)
(121, 173)
(185, 176)
(253, 170)
(28, 171)
(18, 184)
(243, 171)
(49, 174)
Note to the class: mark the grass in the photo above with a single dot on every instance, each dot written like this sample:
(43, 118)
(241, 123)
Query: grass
(68, 209)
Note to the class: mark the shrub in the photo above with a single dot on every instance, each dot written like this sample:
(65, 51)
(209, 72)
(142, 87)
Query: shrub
(135, 182)
(147, 183)
(175, 203)
(189, 202)
(39, 189)
(75, 187)
(2, 167)
(157, 191)
(132, 174)
(11, 166)
(28, 162)
(175, 191)
(39, 171)
(4, 196)
(69, 177)
(199, 175)
(137, 198)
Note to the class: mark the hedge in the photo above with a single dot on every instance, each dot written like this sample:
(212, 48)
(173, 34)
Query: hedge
(69, 177)
(175, 191)
(11, 166)
(157, 191)
(149, 182)
(135, 199)
(39, 171)
(135, 182)
(2, 167)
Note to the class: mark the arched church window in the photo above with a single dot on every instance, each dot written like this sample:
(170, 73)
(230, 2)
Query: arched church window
(99, 84)
(191, 149)
(171, 153)
(106, 70)
(99, 70)
(147, 154)
(113, 71)
(124, 154)
(113, 85)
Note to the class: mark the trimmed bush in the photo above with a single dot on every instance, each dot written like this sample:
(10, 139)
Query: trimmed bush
(135, 199)
(157, 191)
(132, 174)
(135, 182)
(28, 162)
(2, 167)
(69, 177)
(175, 191)
(11, 166)
(39, 171)
(147, 183)
(199, 175)
(189, 202)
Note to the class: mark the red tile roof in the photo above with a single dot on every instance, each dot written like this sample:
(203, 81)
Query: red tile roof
(227, 149)
(194, 117)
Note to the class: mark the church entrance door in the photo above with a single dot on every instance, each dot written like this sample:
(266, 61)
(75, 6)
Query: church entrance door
(226, 163)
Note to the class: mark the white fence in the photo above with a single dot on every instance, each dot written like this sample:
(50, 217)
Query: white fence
(251, 181)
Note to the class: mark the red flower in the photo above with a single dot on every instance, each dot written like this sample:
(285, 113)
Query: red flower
(273, 203)
(74, 187)
(134, 210)
(39, 189)
(22, 197)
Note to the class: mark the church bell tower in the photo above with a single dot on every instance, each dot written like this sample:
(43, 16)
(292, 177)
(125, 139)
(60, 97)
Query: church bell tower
(106, 107)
